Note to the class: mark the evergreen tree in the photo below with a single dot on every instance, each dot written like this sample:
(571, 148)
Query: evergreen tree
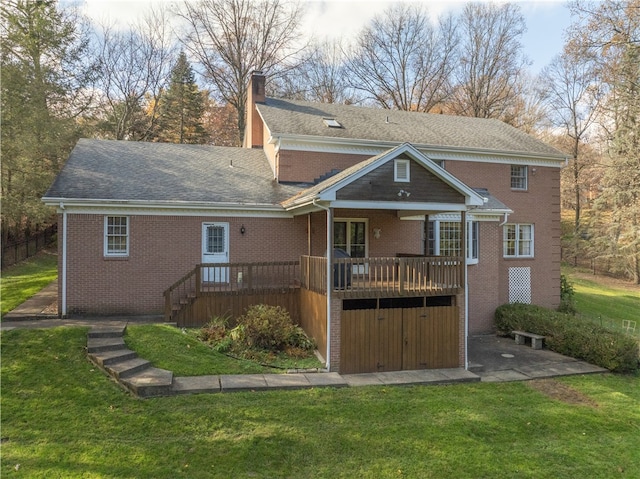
(181, 107)
(45, 72)
(611, 29)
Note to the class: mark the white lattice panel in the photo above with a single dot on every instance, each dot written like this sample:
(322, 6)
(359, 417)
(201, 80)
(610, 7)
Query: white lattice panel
(520, 285)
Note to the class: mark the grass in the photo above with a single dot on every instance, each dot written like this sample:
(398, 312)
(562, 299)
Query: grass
(606, 305)
(25, 279)
(61, 417)
(181, 352)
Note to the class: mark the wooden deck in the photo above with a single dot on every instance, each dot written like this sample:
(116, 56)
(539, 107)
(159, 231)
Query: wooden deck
(230, 287)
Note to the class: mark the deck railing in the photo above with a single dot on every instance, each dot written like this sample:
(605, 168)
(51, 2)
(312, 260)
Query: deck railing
(230, 278)
(350, 278)
(393, 276)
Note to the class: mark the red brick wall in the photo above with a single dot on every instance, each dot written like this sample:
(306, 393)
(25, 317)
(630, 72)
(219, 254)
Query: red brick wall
(540, 206)
(396, 236)
(306, 166)
(484, 278)
(162, 250)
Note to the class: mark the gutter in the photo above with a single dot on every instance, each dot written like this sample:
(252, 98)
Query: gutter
(329, 278)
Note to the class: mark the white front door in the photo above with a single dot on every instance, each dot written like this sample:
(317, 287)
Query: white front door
(215, 249)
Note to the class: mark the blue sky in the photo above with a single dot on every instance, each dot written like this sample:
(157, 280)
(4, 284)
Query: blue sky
(546, 19)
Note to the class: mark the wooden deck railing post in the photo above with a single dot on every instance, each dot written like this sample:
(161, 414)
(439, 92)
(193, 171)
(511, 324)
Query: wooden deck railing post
(198, 280)
(167, 305)
(401, 274)
(250, 277)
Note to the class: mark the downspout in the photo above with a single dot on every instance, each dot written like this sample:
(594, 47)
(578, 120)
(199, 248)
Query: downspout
(329, 278)
(63, 281)
(464, 240)
(506, 218)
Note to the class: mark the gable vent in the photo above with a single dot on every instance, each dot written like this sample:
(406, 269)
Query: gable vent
(401, 171)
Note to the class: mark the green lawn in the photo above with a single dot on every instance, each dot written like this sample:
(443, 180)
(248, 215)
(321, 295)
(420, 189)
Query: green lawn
(606, 305)
(181, 352)
(61, 417)
(20, 282)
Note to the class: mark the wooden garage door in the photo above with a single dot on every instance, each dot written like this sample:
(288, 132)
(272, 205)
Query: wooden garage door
(375, 340)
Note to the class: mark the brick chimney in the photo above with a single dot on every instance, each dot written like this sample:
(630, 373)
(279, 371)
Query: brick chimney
(253, 135)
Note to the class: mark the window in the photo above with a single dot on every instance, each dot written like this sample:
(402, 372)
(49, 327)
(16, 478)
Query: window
(449, 238)
(518, 177)
(351, 236)
(116, 236)
(401, 171)
(473, 234)
(443, 239)
(518, 241)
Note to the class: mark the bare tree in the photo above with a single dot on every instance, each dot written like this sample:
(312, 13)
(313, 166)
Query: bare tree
(134, 68)
(232, 38)
(320, 76)
(491, 59)
(402, 61)
(573, 94)
(611, 32)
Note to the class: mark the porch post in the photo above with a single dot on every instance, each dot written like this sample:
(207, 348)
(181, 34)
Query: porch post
(309, 234)
(463, 282)
(329, 282)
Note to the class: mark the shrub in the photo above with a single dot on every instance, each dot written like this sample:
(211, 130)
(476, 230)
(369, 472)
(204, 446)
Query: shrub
(567, 301)
(215, 330)
(271, 328)
(568, 335)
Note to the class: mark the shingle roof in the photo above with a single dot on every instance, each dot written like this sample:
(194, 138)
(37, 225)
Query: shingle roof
(126, 170)
(289, 117)
(493, 203)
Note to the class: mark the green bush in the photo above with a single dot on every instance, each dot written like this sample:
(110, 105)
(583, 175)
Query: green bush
(567, 293)
(568, 335)
(270, 328)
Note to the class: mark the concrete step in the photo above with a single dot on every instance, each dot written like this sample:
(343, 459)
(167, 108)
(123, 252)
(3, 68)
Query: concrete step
(128, 368)
(100, 345)
(107, 332)
(150, 383)
(107, 358)
(475, 367)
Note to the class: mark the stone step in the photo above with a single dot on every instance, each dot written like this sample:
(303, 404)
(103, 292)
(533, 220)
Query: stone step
(107, 332)
(107, 358)
(128, 368)
(99, 345)
(150, 383)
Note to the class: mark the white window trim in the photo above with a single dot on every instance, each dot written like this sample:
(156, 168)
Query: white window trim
(119, 254)
(470, 223)
(406, 165)
(517, 241)
(470, 228)
(526, 178)
(348, 221)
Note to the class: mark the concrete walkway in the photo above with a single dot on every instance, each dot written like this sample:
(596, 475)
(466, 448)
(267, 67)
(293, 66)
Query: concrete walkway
(43, 305)
(491, 359)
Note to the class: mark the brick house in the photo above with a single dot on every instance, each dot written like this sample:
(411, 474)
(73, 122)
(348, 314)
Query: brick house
(390, 236)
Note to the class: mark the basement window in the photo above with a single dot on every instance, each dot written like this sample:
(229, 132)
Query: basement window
(331, 123)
